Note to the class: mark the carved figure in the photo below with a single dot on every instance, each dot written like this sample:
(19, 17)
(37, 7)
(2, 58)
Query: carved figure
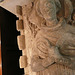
(50, 40)
(54, 41)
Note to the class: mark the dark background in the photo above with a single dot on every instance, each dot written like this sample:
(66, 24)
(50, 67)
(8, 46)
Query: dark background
(9, 47)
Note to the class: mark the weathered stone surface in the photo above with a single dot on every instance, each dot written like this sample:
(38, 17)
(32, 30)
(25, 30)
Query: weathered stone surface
(49, 37)
(19, 10)
(23, 61)
(19, 25)
(21, 42)
(10, 5)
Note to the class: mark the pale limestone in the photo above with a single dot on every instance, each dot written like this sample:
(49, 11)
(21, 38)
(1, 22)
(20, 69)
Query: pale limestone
(49, 42)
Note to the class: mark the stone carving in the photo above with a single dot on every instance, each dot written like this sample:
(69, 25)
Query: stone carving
(54, 42)
(49, 35)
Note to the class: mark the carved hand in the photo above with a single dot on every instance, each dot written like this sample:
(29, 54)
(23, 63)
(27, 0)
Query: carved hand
(36, 64)
(59, 59)
(54, 53)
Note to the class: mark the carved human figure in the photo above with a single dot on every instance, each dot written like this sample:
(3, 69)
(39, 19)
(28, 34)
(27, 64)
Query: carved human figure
(53, 38)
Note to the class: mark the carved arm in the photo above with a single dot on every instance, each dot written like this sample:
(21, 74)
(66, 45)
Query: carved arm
(39, 64)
